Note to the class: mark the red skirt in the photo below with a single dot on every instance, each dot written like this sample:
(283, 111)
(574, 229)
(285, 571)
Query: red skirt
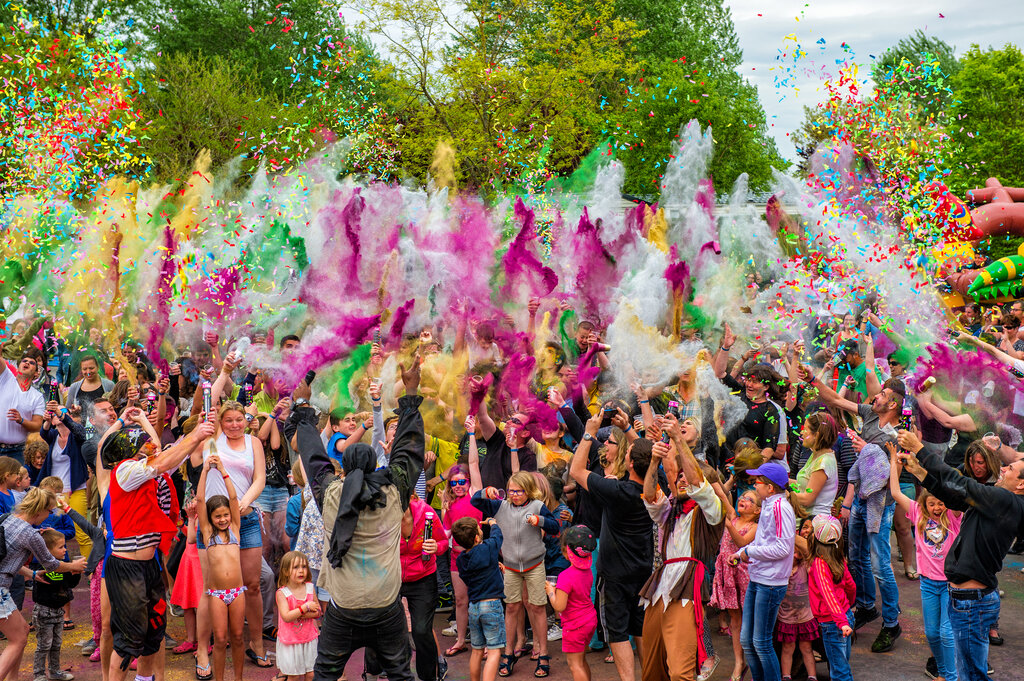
(188, 587)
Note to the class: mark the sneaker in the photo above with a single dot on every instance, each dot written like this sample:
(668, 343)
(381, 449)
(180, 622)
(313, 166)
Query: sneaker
(61, 675)
(554, 633)
(89, 646)
(177, 610)
(863, 616)
(450, 632)
(886, 640)
(931, 668)
(1018, 547)
(444, 603)
(442, 668)
(95, 657)
(169, 642)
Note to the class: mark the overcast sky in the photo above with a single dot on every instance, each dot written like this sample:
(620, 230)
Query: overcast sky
(867, 26)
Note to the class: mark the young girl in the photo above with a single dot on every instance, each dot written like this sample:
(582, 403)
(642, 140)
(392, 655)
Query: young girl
(796, 625)
(832, 592)
(10, 470)
(297, 611)
(937, 529)
(523, 520)
(570, 596)
(731, 581)
(771, 560)
(220, 526)
(463, 483)
(188, 585)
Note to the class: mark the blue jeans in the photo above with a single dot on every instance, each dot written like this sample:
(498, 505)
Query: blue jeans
(937, 627)
(837, 649)
(871, 559)
(971, 621)
(760, 608)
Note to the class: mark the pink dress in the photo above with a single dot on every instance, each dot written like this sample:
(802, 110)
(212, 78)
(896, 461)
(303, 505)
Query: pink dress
(297, 640)
(795, 621)
(730, 584)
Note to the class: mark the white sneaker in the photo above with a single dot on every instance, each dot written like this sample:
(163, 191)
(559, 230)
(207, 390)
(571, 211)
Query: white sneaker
(61, 676)
(555, 633)
(450, 632)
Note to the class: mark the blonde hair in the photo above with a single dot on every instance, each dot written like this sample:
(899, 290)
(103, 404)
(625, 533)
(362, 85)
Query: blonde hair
(52, 483)
(525, 481)
(922, 513)
(36, 502)
(8, 467)
(52, 537)
(288, 562)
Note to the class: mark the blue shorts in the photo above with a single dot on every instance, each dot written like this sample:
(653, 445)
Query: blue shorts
(250, 533)
(272, 499)
(486, 625)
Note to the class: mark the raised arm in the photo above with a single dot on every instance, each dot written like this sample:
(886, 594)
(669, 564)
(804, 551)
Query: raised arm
(828, 395)
(870, 377)
(204, 519)
(408, 447)
(968, 339)
(578, 465)
(903, 502)
(302, 433)
(721, 359)
(476, 481)
(960, 422)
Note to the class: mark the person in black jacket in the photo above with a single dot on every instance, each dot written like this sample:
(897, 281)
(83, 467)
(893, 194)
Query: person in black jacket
(993, 517)
(51, 593)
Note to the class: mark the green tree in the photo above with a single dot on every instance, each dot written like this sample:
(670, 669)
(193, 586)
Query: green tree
(989, 110)
(197, 102)
(921, 66)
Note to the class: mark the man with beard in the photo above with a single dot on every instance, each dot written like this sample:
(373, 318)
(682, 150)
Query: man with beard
(690, 527)
(24, 406)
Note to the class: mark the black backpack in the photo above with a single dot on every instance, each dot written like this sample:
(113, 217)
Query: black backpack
(3, 536)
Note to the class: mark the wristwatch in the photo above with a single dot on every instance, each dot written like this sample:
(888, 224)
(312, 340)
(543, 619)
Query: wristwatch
(249, 417)
(588, 437)
(301, 402)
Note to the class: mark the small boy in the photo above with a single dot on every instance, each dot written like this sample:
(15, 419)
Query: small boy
(48, 614)
(58, 520)
(478, 568)
(20, 488)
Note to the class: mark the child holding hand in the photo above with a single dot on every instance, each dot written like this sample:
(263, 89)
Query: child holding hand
(570, 596)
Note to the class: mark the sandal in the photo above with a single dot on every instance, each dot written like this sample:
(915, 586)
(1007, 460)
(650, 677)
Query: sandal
(543, 666)
(911, 575)
(257, 659)
(204, 672)
(725, 631)
(186, 647)
(456, 649)
(609, 659)
(522, 652)
(68, 625)
(507, 664)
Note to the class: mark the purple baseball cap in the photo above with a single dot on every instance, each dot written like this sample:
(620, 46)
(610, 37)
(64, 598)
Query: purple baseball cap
(774, 471)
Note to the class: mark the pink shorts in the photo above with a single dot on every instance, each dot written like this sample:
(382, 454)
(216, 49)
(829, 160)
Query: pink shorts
(576, 639)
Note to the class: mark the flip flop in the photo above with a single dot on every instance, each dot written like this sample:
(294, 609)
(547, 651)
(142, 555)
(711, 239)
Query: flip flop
(257, 659)
(456, 649)
(68, 625)
(203, 671)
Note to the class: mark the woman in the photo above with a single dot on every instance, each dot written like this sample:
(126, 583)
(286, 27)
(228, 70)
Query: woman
(463, 483)
(818, 481)
(273, 501)
(980, 463)
(242, 456)
(22, 540)
(761, 390)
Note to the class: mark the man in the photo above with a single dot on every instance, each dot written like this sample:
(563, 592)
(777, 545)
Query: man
(141, 506)
(626, 553)
(1016, 309)
(496, 466)
(24, 406)
(993, 516)
(362, 515)
(870, 550)
(672, 596)
(91, 387)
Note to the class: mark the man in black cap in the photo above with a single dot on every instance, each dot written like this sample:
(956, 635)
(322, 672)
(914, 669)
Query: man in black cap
(362, 513)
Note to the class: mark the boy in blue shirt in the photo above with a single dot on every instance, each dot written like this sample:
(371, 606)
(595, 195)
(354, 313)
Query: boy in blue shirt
(478, 568)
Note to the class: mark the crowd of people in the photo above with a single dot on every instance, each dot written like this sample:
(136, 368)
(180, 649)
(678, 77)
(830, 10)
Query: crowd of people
(576, 512)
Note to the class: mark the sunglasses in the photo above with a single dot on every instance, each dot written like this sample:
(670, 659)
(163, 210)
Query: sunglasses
(458, 483)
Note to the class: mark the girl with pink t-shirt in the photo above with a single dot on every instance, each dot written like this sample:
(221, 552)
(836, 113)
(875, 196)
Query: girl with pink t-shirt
(570, 596)
(937, 528)
(463, 482)
(297, 613)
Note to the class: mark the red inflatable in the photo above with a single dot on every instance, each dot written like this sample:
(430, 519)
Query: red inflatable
(1000, 214)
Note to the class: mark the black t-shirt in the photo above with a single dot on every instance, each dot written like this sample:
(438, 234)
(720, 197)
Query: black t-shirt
(761, 424)
(86, 397)
(627, 543)
(496, 466)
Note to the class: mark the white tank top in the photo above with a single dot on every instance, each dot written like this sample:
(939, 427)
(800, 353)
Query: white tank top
(238, 464)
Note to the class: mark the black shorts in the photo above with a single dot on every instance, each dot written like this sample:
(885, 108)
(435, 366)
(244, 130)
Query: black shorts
(138, 612)
(621, 614)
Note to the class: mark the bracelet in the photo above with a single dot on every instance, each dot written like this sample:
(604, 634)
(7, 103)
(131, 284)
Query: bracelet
(120, 420)
(848, 508)
(644, 402)
(628, 428)
(225, 476)
(726, 349)
(515, 450)
(34, 575)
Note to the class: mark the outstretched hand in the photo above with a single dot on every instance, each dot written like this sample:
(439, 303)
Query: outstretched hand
(411, 376)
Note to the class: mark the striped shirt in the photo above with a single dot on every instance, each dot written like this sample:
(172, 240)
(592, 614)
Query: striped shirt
(22, 540)
(130, 476)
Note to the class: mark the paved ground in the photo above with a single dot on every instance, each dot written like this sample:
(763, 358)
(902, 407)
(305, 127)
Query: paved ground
(905, 662)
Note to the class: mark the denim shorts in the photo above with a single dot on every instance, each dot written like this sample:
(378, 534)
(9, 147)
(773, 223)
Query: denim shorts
(8, 607)
(250, 533)
(272, 499)
(486, 624)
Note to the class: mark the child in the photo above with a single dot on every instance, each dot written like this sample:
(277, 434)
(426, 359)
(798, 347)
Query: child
(937, 529)
(771, 560)
(524, 519)
(729, 586)
(796, 625)
(50, 597)
(832, 593)
(220, 526)
(20, 487)
(58, 520)
(188, 584)
(93, 568)
(297, 609)
(571, 597)
(296, 505)
(478, 567)
(10, 469)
